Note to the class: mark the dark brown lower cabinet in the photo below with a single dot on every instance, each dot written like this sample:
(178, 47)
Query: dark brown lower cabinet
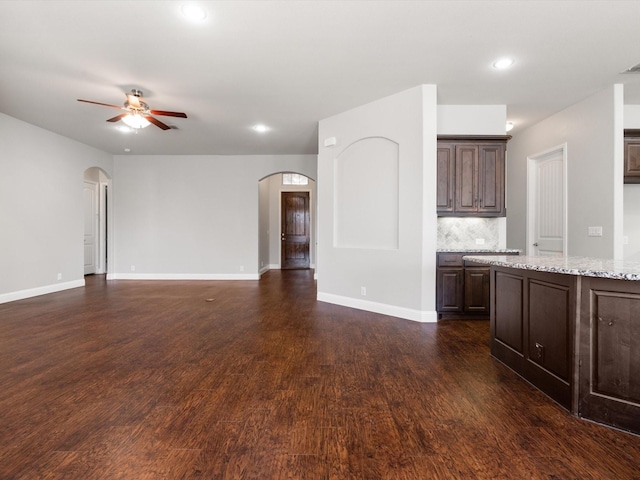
(462, 287)
(450, 293)
(575, 338)
(610, 352)
(476, 289)
(532, 324)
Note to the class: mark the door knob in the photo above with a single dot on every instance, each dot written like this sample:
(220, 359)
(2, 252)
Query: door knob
(535, 244)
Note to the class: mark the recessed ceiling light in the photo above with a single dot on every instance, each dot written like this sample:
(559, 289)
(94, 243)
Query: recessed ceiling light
(261, 128)
(503, 63)
(193, 12)
(127, 150)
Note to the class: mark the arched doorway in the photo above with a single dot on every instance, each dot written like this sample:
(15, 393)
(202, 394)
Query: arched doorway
(277, 194)
(96, 224)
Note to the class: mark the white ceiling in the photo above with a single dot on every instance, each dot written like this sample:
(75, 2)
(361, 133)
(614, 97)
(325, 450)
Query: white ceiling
(289, 64)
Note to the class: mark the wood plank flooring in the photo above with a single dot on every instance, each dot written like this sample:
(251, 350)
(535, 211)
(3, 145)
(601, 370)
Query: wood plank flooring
(257, 380)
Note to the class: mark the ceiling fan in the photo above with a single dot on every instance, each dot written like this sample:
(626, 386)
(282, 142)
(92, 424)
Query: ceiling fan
(137, 113)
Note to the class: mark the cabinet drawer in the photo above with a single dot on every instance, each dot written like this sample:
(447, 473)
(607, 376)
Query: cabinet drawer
(449, 260)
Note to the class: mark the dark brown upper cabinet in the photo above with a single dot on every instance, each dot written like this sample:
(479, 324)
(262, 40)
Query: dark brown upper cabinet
(631, 156)
(446, 178)
(471, 176)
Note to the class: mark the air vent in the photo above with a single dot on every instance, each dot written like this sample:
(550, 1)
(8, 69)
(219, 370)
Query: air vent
(634, 69)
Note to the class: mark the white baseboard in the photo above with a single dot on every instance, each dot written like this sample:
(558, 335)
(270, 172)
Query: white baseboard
(271, 266)
(34, 292)
(382, 308)
(183, 276)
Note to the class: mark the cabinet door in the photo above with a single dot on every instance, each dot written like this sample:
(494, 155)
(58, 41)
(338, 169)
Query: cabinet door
(466, 178)
(476, 289)
(491, 179)
(632, 160)
(449, 290)
(446, 178)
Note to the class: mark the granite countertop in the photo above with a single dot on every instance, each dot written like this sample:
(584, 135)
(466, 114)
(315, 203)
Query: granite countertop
(584, 266)
(478, 250)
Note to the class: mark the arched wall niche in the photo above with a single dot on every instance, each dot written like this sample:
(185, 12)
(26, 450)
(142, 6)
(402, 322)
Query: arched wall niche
(366, 195)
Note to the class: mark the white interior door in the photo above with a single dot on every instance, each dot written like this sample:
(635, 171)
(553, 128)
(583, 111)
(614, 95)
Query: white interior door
(547, 204)
(90, 226)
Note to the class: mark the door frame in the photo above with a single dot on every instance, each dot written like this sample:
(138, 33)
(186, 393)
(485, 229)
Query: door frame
(532, 160)
(103, 227)
(311, 220)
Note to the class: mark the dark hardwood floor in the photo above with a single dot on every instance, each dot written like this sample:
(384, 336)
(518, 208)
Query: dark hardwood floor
(256, 380)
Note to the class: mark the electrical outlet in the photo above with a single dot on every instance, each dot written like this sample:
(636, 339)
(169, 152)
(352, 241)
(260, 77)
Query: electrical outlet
(625, 240)
(242, 268)
(479, 241)
(133, 268)
(363, 291)
(59, 276)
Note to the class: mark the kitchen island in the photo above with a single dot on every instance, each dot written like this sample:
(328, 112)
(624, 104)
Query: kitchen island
(571, 327)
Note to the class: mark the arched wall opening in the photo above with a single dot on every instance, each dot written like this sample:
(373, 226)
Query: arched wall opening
(96, 210)
(270, 220)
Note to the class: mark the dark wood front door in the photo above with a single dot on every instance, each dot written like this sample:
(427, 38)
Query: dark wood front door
(294, 234)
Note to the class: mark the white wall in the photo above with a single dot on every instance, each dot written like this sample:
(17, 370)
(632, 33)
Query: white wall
(192, 216)
(263, 225)
(472, 119)
(275, 182)
(41, 209)
(592, 130)
(400, 281)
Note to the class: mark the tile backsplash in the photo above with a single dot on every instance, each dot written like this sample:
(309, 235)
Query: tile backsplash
(462, 232)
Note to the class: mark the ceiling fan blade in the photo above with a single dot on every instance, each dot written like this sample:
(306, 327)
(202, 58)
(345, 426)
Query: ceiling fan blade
(168, 114)
(157, 122)
(119, 117)
(98, 103)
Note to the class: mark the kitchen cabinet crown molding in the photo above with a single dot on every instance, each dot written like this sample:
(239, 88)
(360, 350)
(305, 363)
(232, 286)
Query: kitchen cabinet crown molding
(480, 138)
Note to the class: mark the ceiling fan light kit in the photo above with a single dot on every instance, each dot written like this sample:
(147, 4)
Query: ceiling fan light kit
(135, 120)
(137, 113)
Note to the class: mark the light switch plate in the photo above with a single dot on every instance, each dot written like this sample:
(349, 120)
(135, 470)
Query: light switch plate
(595, 231)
